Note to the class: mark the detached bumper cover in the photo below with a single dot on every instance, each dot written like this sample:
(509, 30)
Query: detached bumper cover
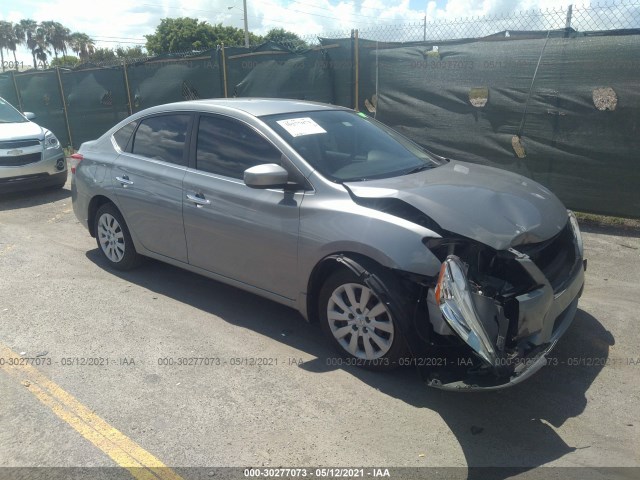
(544, 314)
(523, 367)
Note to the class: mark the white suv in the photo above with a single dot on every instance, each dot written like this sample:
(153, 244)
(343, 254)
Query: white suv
(30, 156)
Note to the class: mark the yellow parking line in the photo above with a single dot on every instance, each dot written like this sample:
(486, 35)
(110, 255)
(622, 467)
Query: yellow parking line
(122, 450)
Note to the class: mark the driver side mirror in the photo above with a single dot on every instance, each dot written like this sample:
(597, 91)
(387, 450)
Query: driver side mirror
(29, 115)
(268, 175)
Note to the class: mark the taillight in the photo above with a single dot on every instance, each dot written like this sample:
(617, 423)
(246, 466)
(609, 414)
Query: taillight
(77, 158)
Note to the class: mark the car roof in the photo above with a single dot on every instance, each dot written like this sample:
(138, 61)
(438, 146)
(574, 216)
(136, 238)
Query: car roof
(253, 106)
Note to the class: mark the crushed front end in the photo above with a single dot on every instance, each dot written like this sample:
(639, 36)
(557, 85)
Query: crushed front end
(496, 314)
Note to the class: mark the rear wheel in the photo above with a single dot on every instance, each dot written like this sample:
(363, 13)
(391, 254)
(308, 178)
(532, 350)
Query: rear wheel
(358, 324)
(114, 239)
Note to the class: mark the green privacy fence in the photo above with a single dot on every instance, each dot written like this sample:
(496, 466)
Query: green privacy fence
(97, 97)
(558, 106)
(39, 92)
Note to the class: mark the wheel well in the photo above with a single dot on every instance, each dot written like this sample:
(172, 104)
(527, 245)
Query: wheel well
(323, 270)
(95, 203)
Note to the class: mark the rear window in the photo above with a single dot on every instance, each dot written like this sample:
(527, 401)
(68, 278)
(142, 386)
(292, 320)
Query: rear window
(123, 135)
(162, 137)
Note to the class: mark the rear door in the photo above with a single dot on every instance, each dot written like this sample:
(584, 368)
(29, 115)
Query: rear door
(148, 183)
(249, 235)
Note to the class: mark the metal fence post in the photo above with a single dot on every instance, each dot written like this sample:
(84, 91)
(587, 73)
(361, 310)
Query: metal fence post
(223, 61)
(126, 85)
(567, 24)
(64, 107)
(424, 31)
(15, 86)
(356, 72)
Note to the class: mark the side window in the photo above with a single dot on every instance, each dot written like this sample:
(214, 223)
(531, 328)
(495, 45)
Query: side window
(123, 135)
(162, 138)
(227, 147)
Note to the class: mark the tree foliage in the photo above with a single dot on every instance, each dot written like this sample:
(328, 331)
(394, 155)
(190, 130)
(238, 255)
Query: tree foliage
(56, 35)
(286, 38)
(66, 61)
(186, 34)
(42, 39)
(9, 40)
(171, 35)
(130, 52)
(26, 30)
(100, 55)
(82, 45)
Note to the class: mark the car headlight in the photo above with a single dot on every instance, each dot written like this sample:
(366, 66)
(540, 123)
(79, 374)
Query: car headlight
(50, 141)
(453, 296)
(576, 232)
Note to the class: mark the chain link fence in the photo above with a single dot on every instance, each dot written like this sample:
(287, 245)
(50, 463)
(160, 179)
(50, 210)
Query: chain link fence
(597, 17)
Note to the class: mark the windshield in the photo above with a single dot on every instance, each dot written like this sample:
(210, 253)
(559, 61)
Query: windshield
(8, 114)
(346, 146)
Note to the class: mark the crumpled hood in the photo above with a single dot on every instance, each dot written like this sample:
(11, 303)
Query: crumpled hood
(498, 208)
(21, 131)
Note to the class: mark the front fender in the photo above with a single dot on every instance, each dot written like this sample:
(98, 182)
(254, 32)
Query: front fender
(338, 226)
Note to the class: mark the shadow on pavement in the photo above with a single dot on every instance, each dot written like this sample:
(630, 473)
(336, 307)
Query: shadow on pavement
(512, 429)
(32, 198)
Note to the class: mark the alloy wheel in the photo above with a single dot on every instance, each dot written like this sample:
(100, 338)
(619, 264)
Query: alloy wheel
(111, 237)
(360, 322)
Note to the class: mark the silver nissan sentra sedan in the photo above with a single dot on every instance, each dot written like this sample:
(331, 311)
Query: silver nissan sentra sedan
(404, 257)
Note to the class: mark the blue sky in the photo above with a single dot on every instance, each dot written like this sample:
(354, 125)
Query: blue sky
(122, 22)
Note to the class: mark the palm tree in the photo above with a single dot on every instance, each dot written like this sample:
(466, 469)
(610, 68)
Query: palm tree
(5, 36)
(56, 35)
(62, 37)
(41, 49)
(26, 30)
(13, 41)
(82, 45)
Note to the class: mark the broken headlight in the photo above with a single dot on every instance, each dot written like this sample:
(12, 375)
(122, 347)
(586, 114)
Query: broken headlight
(453, 296)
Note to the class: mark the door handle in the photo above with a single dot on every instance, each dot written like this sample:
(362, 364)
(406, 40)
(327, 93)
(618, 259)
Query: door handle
(124, 180)
(198, 199)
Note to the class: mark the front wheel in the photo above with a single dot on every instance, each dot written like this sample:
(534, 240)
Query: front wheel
(113, 238)
(358, 324)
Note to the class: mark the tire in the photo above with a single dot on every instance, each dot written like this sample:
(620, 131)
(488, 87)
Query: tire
(62, 182)
(365, 332)
(113, 238)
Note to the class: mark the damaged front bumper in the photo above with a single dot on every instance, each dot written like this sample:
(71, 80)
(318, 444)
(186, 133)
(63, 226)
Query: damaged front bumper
(509, 338)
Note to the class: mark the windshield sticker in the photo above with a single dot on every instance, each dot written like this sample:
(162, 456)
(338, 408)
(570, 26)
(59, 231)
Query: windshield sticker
(297, 127)
(362, 114)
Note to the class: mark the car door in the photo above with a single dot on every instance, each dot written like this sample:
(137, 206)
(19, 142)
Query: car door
(246, 234)
(148, 183)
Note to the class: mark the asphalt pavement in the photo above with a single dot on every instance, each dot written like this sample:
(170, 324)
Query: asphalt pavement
(104, 381)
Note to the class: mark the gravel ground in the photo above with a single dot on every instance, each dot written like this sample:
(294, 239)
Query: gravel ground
(57, 298)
